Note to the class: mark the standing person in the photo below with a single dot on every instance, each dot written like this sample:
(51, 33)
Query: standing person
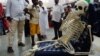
(1, 10)
(1, 17)
(34, 21)
(43, 21)
(27, 27)
(15, 15)
(66, 11)
(57, 14)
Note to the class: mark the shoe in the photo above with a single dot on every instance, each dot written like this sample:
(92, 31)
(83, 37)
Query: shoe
(33, 44)
(10, 50)
(54, 38)
(40, 37)
(21, 44)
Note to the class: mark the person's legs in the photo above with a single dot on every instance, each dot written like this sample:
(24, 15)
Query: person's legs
(32, 33)
(13, 27)
(59, 32)
(33, 41)
(38, 33)
(43, 28)
(27, 28)
(44, 35)
(39, 37)
(55, 30)
(43, 32)
(20, 32)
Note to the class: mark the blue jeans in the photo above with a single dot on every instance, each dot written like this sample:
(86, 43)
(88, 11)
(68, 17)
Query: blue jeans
(1, 27)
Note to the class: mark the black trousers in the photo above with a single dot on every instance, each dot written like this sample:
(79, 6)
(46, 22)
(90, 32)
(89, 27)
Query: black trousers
(56, 26)
(27, 28)
(96, 29)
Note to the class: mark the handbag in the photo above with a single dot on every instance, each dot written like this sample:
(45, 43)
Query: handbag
(6, 24)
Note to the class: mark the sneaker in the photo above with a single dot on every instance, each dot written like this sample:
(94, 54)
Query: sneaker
(33, 44)
(54, 38)
(40, 38)
(21, 44)
(10, 50)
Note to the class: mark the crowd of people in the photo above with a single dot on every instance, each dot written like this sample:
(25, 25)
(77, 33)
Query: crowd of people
(22, 17)
(19, 15)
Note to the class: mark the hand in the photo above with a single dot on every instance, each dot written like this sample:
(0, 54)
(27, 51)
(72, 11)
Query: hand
(25, 10)
(43, 8)
(9, 19)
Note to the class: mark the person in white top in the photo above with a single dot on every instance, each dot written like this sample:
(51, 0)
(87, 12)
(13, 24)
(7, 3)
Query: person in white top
(15, 15)
(43, 21)
(56, 18)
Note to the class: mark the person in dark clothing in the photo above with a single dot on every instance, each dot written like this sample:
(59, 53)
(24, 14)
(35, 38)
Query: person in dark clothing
(56, 20)
(26, 27)
(94, 18)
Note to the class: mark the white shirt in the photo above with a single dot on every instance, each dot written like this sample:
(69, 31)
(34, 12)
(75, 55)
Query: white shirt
(56, 13)
(14, 9)
(43, 20)
(27, 16)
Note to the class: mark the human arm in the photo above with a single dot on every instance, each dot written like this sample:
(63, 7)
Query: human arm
(8, 10)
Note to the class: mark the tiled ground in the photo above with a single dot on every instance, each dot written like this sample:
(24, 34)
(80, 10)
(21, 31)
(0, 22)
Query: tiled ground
(20, 50)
